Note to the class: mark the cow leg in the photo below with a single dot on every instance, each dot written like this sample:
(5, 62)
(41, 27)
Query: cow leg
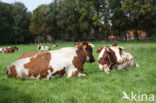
(73, 72)
(101, 67)
(81, 74)
(106, 69)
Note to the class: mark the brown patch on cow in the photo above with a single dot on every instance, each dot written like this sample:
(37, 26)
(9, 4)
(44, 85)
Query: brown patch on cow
(12, 70)
(114, 44)
(26, 54)
(112, 56)
(121, 51)
(99, 50)
(39, 65)
(80, 59)
(9, 50)
(74, 74)
(59, 73)
(104, 59)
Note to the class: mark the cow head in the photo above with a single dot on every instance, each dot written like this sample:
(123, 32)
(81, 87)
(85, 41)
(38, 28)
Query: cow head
(115, 53)
(15, 48)
(88, 49)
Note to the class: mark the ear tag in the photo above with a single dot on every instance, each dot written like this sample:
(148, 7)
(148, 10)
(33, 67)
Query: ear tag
(76, 46)
(84, 46)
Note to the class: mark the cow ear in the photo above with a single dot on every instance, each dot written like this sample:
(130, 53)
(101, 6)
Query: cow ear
(99, 50)
(114, 44)
(76, 44)
(108, 49)
(121, 48)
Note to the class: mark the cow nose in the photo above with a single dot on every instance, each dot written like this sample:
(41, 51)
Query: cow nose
(92, 60)
(121, 61)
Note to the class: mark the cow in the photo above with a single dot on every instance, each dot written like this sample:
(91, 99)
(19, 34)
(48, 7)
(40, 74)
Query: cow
(9, 49)
(67, 61)
(129, 61)
(55, 45)
(109, 55)
(43, 47)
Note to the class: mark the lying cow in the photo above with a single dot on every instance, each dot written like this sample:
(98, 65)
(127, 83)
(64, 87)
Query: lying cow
(43, 47)
(9, 49)
(129, 61)
(109, 55)
(67, 61)
(55, 45)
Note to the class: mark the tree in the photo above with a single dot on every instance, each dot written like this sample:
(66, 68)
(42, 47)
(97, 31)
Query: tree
(14, 23)
(20, 25)
(5, 22)
(140, 14)
(39, 22)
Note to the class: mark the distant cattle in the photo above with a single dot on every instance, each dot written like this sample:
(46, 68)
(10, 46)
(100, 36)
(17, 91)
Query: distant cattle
(55, 45)
(67, 61)
(43, 47)
(9, 49)
(109, 55)
(129, 61)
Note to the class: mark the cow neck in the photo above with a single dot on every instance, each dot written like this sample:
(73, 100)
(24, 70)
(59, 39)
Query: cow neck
(81, 53)
(111, 63)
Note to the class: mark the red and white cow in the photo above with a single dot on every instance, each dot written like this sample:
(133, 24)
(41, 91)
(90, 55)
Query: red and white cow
(67, 61)
(9, 49)
(109, 55)
(129, 61)
(43, 47)
(55, 45)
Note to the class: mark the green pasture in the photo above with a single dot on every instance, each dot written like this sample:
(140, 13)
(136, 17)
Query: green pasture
(96, 87)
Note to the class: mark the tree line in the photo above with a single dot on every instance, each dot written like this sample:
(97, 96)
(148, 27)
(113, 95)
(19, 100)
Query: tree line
(76, 20)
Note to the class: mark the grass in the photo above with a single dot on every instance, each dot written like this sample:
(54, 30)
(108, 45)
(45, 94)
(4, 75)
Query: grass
(96, 87)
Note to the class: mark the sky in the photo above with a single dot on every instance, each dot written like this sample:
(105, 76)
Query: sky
(30, 4)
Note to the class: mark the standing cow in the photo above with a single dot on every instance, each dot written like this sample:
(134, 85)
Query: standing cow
(109, 55)
(67, 61)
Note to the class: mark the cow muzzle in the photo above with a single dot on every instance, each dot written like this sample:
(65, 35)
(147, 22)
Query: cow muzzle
(121, 61)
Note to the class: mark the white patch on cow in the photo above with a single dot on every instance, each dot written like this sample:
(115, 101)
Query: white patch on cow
(87, 58)
(70, 70)
(101, 67)
(81, 75)
(101, 53)
(0, 49)
(106, 68)
(38, 77)
(63, 58)
(19, 66)
(49, 75)
(117, 52)
(32, 77)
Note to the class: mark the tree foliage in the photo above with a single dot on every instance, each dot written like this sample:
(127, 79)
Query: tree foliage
(76, 20)
(14, 23)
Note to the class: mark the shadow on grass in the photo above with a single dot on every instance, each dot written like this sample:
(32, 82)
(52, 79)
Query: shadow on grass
(13, 95)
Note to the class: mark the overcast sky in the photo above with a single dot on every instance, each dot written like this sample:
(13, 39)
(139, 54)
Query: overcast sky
(30, 4)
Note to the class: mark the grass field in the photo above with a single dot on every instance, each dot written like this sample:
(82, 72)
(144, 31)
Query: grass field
(96, 87)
